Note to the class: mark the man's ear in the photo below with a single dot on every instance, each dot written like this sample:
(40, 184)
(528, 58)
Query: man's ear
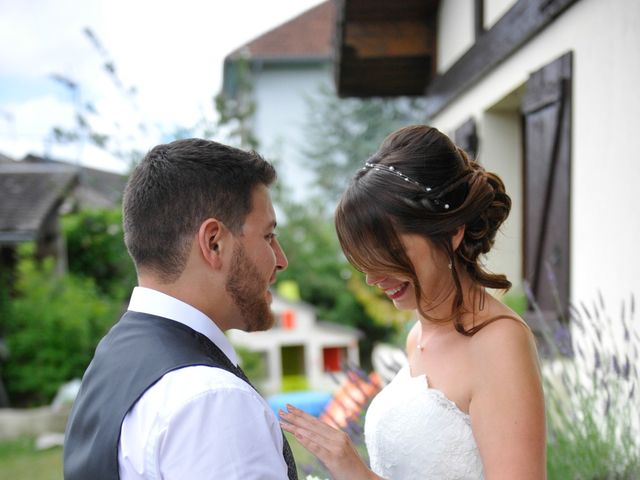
(456, 239)
(212, 239)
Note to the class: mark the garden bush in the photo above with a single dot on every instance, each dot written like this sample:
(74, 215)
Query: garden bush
(51, 328)
(95, 249)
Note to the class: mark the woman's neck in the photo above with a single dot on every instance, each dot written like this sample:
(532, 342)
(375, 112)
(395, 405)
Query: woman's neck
(442, 307)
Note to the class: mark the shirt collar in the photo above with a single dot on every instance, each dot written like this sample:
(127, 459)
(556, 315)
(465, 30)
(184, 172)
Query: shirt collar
(153, 302)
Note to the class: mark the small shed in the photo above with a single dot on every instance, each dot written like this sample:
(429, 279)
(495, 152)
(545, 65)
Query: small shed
(32, 195)
(95, 189)
(300, 346)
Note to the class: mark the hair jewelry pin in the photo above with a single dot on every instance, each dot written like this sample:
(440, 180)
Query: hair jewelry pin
(391, 169)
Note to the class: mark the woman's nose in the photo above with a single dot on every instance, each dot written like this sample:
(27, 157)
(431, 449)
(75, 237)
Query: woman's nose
(373, 279)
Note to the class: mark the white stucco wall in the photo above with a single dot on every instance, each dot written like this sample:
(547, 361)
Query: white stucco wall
(280, 118)
(605, 225)
(494, 10)
(456, 31)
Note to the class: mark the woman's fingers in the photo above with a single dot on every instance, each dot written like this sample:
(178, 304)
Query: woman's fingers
(332, 447)
(327, 443)
(304, 421)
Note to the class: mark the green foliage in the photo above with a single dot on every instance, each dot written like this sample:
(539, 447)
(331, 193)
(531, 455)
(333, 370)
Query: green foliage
(252, 363)
(236, 110)
(96, 250)
(52, 329)
(516, 300)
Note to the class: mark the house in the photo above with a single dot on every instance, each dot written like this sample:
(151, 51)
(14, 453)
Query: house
(288, 65)
(544, 93)
(300, 346)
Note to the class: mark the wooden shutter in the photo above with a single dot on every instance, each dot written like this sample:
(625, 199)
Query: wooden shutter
(466, 137)
(546, 109)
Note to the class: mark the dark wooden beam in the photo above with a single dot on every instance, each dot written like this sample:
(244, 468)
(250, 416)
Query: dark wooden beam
(478, 13)
(521, 23)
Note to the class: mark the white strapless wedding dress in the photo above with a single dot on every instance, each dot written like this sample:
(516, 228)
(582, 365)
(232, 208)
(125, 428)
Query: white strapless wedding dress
(414, 432)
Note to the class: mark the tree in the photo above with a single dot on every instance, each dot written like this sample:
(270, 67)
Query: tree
(236, 110)
(343, 133)
(86, 115)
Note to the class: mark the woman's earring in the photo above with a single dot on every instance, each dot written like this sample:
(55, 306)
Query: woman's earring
(450, 265)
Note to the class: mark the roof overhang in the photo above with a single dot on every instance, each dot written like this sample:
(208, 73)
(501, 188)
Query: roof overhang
(14, 238)
(385, 48)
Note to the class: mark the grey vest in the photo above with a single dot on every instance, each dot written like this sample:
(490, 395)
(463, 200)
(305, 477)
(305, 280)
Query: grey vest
(134, 355)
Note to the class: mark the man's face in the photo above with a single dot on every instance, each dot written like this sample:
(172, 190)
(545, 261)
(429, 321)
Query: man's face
(257, 256)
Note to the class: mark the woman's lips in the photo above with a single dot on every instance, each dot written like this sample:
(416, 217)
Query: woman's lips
(397, 292)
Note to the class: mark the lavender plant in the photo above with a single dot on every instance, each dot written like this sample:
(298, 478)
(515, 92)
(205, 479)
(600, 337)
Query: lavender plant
(591, 381)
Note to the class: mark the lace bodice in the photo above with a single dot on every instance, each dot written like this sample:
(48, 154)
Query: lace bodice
(415, 432)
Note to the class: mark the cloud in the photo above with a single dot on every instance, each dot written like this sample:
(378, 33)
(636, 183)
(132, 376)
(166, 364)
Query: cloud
(172, 52)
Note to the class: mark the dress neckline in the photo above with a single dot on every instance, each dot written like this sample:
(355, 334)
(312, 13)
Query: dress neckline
(424, 381)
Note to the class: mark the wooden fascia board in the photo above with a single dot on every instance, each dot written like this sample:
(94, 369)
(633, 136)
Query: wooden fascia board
(339, 42)
(372, 43)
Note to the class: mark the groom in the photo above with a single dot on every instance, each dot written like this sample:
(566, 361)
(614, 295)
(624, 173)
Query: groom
(164, 396)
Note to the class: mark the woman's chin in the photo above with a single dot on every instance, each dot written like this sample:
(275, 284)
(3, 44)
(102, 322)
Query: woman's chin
(404, 303)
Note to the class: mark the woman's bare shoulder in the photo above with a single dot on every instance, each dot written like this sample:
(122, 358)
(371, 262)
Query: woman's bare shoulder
(505, 332)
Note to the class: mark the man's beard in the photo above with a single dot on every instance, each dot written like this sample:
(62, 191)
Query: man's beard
(247, 292)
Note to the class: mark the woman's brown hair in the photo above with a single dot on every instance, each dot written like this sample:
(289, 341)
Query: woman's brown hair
(419, 182)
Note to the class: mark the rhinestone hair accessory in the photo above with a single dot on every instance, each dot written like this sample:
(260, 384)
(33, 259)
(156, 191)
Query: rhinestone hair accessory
(394, 171)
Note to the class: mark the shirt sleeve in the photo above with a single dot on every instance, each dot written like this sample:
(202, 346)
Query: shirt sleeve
(225, 433)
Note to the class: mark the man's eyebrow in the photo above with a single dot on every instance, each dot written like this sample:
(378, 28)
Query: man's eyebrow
(272, 224)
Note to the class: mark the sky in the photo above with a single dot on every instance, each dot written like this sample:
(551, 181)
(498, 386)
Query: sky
(170, 52)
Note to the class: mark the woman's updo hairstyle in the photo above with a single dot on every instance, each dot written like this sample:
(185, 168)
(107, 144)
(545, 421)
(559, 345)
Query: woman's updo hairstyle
(419, 182)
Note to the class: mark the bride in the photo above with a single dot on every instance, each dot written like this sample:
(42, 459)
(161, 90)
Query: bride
(416, 220)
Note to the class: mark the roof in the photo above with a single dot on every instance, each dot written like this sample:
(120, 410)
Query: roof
(96, 189)
(30, 194)
(5, 159)
(385, 48)
(309, 35)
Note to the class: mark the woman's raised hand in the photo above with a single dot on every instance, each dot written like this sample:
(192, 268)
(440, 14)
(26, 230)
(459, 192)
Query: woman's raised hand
(332, 447)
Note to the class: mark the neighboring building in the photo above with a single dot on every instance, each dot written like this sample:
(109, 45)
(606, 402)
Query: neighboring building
(96, 188)
(32, 196)
(299, 346)
(36, 191)
(5, 159)
(545, 93)
(288, 65)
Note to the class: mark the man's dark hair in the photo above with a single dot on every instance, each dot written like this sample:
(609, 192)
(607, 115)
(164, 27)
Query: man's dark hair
(175, 188)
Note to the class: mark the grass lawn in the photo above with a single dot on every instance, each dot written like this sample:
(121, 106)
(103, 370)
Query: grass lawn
(19, 460)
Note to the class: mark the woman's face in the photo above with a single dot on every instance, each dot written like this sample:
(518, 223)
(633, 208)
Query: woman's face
(431, 267)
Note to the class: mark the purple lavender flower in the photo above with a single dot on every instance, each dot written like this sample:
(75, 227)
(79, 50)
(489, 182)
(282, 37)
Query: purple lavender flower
(616, 366)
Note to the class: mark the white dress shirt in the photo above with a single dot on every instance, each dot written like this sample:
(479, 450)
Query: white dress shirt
(198, 422)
